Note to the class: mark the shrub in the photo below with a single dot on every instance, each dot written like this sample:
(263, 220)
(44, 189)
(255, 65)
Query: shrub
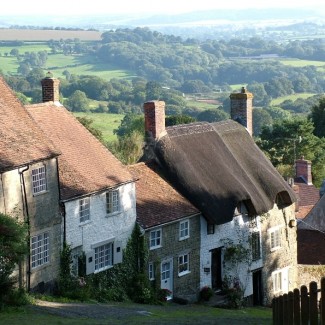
(206, 293)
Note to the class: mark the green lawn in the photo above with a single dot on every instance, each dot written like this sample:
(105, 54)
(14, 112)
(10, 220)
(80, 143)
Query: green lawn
(279, 100)
(8, 65)
(180, 315)
(105, 123)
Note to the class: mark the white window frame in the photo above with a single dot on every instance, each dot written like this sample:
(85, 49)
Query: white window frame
(103, 257)
(256, 249)
(155, 238)
(112, 202)
(184, 229)
(275, 238)
(183, 264)
(39, 180)
(151, 271)
(40, 250)
(84, 209)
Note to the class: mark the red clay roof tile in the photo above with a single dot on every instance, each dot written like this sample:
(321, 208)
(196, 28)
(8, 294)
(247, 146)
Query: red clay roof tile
(86, 165)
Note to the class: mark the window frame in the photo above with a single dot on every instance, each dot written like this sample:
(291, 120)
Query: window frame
(277, 278)
(151, 271)
(39, 180)
(256, 245)
(156, 239)
(112, 202)
(275, 238)
(40, 254)
(183, 261)
(84, 209)
(185, 230)
(104, 253)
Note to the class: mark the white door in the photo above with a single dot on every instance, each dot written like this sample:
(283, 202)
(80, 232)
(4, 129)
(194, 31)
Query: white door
(167, 276)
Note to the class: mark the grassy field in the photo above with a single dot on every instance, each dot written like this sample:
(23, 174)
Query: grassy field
(279, 100)
(27, 47)
(302, 63)
(45, 35)
(105, 123)
(8, 65)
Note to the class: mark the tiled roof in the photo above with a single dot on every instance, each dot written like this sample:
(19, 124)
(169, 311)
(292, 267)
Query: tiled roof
(157, 201)
(308, 196)
(21, 140)
(85, 166)
(311, 247)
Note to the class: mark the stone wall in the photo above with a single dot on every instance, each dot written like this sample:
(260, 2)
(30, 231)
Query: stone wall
(185, 286)
(309, 273)
(284, 258)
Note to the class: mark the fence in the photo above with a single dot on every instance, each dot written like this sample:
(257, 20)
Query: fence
(301, 307)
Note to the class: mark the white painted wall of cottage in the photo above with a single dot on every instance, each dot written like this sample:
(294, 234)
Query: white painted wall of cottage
(224, 232)
(101, 227)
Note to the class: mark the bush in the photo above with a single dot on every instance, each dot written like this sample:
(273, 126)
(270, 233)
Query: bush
(206, 293)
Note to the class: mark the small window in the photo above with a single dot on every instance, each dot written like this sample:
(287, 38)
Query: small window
(256, 246)
(183, 264)
(210, 228)
(39, 180)
(40, 249)
(112, 202)
(84, 209)
(155, 239)
(151, 271)
(103, 257)
(275, 238)
(184, 229)
(277, 281)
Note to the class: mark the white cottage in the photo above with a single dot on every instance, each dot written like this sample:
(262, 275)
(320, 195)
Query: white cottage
(97, 193)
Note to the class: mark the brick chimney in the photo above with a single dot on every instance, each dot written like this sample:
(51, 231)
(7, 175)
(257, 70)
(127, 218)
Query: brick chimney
(50, 89)
(154, 118)
(241, 108)
(303, 170)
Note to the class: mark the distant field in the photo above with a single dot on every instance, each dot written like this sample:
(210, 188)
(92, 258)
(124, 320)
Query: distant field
(201, 105)
(104, 122)
(27, 47)
(237, 87)
(279, 100)
(8, 65)
(302, 63)
(45, 35)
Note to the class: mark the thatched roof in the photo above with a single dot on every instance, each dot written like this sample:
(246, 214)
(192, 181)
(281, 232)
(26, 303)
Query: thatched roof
(218, 165)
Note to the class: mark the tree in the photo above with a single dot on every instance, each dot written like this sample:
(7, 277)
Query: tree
(317, 116)
(13, 246)
(77, 102)
(212, 115)
(287, 140)
(86, 122)
(261, 118)
(178, 119)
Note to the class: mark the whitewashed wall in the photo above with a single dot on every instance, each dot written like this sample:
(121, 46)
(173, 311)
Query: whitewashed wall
(101, 227)
(236, 230)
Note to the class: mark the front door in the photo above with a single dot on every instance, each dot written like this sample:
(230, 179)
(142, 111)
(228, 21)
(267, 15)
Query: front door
(257, 288)
(216, 269)
(167, 276)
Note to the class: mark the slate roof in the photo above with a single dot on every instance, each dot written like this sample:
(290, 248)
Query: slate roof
(307, 195)
(158, 202)
(21, 140)
(218, 165)
(85, 166)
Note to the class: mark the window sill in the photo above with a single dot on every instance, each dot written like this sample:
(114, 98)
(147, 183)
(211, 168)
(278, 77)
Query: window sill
(108, 215)
(183, 238)
(39, 267)
(183, 273)
(103, 269)
(155, 247)
(84, 223)
(275, 248)
(40, 193)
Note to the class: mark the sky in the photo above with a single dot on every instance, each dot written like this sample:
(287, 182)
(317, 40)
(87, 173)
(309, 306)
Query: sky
(86, 7)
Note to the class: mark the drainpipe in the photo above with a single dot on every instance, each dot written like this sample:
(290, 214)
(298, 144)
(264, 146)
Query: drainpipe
(27, 220)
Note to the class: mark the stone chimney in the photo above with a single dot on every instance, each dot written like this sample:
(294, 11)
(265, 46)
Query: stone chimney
(154, 118)
(241, 108)
(50, 89)
(303, 170)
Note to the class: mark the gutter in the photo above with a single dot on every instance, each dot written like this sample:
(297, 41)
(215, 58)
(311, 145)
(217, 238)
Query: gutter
(27, 220)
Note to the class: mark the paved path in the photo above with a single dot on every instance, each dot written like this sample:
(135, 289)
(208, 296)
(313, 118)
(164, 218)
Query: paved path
(121, 313)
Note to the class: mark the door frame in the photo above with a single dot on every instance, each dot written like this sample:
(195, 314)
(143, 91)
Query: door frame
(171, 277)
